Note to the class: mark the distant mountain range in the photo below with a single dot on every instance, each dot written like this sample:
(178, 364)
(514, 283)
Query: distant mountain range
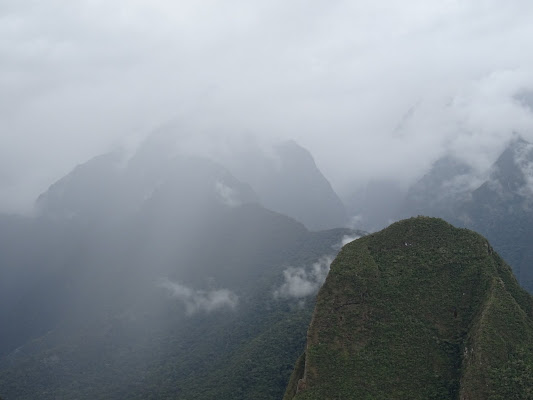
(499, 207)
(496, 203)
(167, 274)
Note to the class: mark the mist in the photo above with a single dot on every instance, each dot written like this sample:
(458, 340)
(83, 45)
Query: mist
(176, 178)
(369, 88)
(300, 282)
(196, 301)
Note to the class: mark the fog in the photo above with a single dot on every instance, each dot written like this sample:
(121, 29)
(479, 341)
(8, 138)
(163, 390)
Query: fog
(199, 300)
(374, 89)
(302, 282)
(187, 172)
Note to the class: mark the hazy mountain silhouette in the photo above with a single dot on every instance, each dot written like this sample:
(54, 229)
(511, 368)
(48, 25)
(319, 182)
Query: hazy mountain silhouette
(156, 276)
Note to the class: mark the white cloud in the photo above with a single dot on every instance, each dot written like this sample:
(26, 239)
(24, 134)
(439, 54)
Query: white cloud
(227, 195)
(348, 238)
(200, 300)
(302, 282)
(338, 77)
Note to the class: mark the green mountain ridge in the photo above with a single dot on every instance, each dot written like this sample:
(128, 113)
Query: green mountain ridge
(420, 310)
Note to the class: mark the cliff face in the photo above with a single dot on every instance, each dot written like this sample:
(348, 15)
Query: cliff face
(420, 310)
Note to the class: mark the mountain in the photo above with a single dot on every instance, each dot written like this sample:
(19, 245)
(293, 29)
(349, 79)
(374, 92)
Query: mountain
(287, 180)
(375, 205)
(283, 178)
(502, 209)
(156, 276)
(496, 203)
(448, 183)
(111, 187)
(117, 323)
(420, 310)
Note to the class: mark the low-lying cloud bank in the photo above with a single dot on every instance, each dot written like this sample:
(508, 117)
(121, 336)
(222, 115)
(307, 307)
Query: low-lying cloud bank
(348, 238)
(300, 282)
(200, 300)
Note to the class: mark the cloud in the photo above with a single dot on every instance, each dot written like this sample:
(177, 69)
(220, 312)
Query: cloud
(338, 77)
(302, 282)
(348, 238)
(524, 161)
(227, 195)
(199, 300)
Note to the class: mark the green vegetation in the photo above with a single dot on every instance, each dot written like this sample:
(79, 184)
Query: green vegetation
(129, 340)
(420, 310)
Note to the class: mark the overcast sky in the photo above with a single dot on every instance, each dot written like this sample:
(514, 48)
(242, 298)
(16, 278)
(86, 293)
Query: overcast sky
(373, 88)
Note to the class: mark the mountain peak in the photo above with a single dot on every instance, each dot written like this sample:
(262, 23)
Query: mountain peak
(419, 310)
(513, 171)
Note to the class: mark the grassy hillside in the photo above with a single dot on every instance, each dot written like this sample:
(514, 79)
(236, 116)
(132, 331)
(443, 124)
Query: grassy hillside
(420, 310)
